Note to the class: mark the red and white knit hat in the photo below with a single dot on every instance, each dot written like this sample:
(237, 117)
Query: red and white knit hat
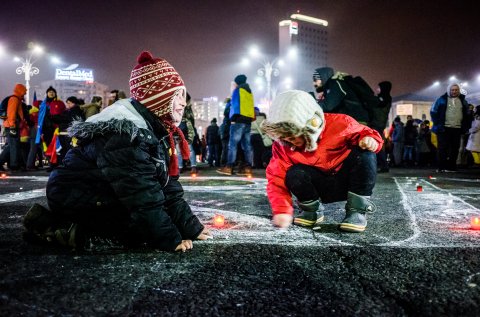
(154, 83)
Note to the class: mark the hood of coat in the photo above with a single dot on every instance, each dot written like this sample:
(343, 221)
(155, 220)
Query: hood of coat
(120, 117)
(19, 90)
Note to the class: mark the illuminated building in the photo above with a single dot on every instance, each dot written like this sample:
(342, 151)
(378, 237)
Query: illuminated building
(205, 110)
(308, 36)
(76, 82)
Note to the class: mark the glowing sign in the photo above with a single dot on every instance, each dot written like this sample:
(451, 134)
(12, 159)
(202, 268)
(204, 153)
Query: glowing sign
(294, 28)
(78, 74)
(404, 109)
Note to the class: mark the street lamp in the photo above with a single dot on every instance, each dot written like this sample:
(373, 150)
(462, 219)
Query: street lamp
(268, 70)
(27, 67)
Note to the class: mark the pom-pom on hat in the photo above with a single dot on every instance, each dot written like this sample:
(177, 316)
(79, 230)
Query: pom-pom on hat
(154, 83)
(295, 113)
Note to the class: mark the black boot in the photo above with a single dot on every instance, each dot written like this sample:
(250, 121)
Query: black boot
(356, 208)
(311, 214)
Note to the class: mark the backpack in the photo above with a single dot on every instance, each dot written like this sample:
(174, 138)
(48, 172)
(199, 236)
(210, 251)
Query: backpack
(368, 99)
(3, 107)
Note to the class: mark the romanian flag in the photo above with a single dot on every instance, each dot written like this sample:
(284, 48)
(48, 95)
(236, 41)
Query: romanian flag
(54, 147)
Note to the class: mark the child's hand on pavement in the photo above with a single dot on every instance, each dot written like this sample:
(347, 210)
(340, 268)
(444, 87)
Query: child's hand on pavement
(184, 246)
(282, 221)
(205, 235)
(368, 143)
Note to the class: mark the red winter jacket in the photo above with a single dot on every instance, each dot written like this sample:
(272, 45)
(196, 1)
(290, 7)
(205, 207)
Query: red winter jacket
(340, 135)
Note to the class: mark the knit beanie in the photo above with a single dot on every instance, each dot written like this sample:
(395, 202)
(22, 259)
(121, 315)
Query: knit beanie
(73, 99)
(295, 113)
(155, 83)
(51, 89)
(240, 79)
(323, 73)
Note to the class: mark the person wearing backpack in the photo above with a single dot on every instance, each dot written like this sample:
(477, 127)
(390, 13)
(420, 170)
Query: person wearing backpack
(336, 95)
(14, 118)
(241, 115)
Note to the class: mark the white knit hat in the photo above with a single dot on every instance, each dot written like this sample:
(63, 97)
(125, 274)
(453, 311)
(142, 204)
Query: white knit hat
(295, 113)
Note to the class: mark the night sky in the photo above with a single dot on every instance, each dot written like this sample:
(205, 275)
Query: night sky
(410, 43)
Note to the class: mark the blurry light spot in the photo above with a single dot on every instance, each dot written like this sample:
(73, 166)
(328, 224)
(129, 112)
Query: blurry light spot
(475, 223)
(218, 221)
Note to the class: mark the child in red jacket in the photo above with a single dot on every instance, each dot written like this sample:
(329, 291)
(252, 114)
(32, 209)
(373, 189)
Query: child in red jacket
(319, 158)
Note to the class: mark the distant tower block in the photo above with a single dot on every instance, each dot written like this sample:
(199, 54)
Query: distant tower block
(307, 38)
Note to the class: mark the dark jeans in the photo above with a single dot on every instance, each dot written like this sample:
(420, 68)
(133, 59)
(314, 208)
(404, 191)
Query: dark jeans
(357, 175)
(258, 148)
(15, 151)
(214, 154)
(239, 133)
(448, 145)
(382, 155)
(223, 159)
(35, 150)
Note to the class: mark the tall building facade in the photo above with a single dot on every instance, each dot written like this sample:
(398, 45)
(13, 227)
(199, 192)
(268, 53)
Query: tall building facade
(80, 89)
(74, 81)
(205, 110)
(308, 37)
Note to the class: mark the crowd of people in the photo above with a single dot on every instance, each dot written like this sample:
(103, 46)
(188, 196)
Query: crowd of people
(37, 135)
(124, 158)
(448, 142)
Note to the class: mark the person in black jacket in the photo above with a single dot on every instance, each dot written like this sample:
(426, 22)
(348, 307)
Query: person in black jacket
(213, 142)
(120, 180)
(72, 112)
(335, 96)
(382, 111)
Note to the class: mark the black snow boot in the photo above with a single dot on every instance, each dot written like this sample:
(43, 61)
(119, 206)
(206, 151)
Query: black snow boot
(356, 208)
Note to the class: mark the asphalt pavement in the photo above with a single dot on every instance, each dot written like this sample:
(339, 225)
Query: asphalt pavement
(418, 257)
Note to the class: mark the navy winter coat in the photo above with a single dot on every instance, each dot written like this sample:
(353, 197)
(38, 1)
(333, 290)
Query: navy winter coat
(115, 181)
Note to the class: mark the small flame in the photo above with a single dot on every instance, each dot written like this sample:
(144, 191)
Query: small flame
(475, 223)
(218, 221)
(419, 189)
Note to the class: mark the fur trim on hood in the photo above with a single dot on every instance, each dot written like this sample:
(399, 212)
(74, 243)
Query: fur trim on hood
(120, 117)
(295, 113)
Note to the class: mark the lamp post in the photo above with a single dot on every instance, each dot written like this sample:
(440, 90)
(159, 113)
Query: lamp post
(27, 67)
(268, 70)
